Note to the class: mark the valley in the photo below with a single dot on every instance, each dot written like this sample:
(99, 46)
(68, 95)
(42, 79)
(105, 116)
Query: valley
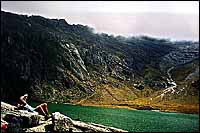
(57, 62)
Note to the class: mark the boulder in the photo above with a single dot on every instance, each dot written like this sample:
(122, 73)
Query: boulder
(24, 121)
(44, 127)
(5, 106)
(61, 122)
(19, 119)
(64, 123)
(93, 127)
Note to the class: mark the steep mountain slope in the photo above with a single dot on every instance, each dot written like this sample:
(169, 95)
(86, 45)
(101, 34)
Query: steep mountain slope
(58, 62)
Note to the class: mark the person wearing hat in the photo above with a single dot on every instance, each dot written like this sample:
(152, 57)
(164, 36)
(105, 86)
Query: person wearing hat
(41, 109)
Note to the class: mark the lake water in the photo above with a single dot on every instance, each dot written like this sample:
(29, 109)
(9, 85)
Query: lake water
(131, 120)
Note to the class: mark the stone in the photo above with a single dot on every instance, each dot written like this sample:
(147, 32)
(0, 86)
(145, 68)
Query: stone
(46, 126)
(5, 106)
(19, 119)
(61, 122)
(24, 121)
(93, 127)
(64, 123)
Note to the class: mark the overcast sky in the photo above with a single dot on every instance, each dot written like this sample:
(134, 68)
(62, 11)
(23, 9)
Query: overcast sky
(177, 20)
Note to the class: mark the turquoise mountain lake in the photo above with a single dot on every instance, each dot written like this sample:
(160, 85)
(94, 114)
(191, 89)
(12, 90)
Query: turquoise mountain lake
(131, 120)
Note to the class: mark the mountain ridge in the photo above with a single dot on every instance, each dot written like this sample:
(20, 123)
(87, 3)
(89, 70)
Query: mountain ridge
(58, 62)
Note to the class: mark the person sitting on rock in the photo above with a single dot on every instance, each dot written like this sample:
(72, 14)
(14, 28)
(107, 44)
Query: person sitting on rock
(41, 109)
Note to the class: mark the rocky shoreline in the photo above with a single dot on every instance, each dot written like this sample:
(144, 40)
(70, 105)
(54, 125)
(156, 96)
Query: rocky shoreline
(23, 121)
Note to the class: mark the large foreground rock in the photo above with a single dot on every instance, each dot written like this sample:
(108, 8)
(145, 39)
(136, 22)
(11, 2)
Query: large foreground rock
(64, 123)
(24, 121)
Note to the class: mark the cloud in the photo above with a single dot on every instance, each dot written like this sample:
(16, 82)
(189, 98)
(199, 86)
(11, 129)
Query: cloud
(167, 25)
(169, 19)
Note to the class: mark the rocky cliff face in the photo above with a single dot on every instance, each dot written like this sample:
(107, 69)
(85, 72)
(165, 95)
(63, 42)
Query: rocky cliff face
(58, 62)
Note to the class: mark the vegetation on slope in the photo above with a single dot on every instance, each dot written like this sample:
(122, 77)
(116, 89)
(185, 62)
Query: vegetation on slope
(54, 61)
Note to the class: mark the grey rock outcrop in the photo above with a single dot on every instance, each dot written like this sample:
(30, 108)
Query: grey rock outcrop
(76, 62)
(64, 123)
(23, 121)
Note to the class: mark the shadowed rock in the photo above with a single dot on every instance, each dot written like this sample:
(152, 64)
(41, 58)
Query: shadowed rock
(24, 121)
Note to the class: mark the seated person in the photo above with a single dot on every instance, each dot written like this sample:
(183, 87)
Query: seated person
(41, 109)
